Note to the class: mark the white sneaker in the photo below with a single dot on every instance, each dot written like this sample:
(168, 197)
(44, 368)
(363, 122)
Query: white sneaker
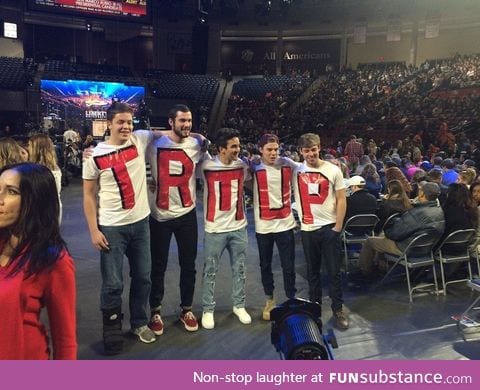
(208, 321)
(242, 315)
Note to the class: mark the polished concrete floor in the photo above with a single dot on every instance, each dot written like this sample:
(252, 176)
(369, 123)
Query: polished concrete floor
(384, 325)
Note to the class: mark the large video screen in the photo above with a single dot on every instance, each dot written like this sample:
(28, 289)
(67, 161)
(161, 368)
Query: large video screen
(127, 8)
(79, 102)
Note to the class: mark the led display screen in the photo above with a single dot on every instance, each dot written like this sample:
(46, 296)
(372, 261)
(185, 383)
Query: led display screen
(80, 101)
(128, 8)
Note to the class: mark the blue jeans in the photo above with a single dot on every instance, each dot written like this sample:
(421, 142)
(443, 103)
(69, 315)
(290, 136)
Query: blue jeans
(286, 249)
(214, 245)
(324, 245)
(133, 241)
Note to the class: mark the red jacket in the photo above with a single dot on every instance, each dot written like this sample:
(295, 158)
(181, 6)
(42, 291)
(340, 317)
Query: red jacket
(23, 336)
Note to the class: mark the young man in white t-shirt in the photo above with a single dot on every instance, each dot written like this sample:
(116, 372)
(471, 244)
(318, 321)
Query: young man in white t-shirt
(321, 204)
(116, 173)
(173, 159)
(274, 221)
(225, 223)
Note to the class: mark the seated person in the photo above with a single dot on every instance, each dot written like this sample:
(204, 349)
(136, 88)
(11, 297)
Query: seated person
(425, 216)
(435, 176)
(373, 183)
(475, 191)
(449, 175)
(467, 176)
(461, 213)
(419, 176)
(359, 202)
(395, 201)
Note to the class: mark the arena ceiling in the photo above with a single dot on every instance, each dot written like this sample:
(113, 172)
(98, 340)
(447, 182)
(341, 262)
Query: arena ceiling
(306, 12)
(237, 17)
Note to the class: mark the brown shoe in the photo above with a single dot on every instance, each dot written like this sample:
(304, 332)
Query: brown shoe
(341, 320)
(269, 305)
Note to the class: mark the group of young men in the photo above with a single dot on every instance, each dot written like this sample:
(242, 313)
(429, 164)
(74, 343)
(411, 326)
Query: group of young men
(127, 217)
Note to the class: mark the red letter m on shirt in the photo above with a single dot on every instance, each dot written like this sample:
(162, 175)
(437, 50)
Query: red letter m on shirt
(224, 179)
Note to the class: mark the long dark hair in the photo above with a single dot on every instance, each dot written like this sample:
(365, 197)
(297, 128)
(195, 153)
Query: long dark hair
(472, 187)
(37, 227)
(394, 173)
(459, 195)
(396, 191)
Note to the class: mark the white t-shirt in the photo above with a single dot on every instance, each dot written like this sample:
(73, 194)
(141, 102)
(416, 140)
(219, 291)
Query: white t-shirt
(272, 197)
(120, 171)
(173, 168)
(314, 190)
(223, 202)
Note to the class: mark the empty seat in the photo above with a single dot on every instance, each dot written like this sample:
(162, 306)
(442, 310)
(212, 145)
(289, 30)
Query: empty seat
(453, 250)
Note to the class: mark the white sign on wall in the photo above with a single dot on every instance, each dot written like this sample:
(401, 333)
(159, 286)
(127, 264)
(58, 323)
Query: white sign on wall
(10, 30)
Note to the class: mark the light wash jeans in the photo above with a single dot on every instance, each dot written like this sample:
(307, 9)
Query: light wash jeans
(133, 241)
(214, 245)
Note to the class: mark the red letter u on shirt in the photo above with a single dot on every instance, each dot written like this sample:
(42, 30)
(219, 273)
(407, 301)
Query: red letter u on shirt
(266, 212)
(224, 180)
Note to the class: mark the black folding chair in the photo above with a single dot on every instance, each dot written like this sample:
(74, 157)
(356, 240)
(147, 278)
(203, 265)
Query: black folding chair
(388, 222)
(457, 243)
(418, 253)
(356, 231)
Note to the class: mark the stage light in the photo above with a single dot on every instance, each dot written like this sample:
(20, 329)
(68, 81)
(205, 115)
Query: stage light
(297, 331)
(204, 7)
(202, 17)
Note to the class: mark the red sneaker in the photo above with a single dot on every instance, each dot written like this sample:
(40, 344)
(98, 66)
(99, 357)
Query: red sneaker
(156, 324)
(189, 321)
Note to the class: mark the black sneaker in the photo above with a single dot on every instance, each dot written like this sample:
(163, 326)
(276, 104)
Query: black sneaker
(112, 334)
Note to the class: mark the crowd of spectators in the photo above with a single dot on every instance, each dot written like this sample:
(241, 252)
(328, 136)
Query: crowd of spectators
(254, 117)
(374, 102)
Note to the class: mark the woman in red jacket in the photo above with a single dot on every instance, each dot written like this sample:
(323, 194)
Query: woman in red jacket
(36, 270)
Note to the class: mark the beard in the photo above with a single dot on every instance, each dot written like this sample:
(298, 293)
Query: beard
(181, 133)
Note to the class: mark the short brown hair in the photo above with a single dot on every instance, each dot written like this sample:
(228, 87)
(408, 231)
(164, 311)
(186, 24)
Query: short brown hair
(268, 138)
(308, 140)
(118, 108)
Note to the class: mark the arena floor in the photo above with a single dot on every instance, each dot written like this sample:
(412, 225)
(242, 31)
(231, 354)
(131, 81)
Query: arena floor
(383, 324)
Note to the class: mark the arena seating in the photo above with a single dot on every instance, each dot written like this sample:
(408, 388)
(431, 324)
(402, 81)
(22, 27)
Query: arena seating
(16, 73)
